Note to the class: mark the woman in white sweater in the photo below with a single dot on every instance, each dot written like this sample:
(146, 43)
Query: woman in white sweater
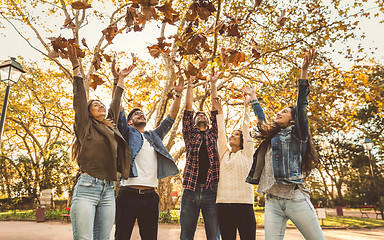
(234, 196)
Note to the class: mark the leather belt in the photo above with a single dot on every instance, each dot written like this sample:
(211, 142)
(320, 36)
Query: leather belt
(137, 190)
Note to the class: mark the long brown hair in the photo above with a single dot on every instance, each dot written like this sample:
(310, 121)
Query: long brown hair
(266, 131)
(76, 144)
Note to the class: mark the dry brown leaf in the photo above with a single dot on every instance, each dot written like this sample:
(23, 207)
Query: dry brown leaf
(110, 32)
(96, 81)
(80, 5)
(281, 19)
(68, 23)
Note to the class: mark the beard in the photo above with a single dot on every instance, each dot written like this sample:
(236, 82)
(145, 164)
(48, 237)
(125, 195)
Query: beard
(139, 124)
(201, 124)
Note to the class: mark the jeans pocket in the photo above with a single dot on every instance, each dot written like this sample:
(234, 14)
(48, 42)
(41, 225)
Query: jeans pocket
(86, 182)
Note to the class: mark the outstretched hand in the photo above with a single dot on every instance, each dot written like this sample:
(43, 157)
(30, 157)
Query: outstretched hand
(247, 100)
(191, 79)
(308, 59)
(214, 78)
(126, 71)
(73, 55)
(216, 104)
(180, 86)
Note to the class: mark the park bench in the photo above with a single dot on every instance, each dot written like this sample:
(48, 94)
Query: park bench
(365, 208)
(66, 216)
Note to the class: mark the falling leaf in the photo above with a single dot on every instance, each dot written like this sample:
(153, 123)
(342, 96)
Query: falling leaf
(133, 59)
(110, 32)
(107, 58)
(84, 43)
(281, 19)
(233, 30)
(257, 3)
(203, 63)
(130, 16)
(170, 15)
(206, 9)
(148, 79)
(97, 61)
(80, 5)
(256, 53)
(53, 54)
(96, 80)
(68, 23)
(191, 70)
(138, 105)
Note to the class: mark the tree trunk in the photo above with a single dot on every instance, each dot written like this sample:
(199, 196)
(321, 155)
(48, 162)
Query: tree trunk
(165, 194)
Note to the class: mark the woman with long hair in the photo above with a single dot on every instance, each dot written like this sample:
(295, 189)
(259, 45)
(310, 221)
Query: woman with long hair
(281, 163)
(100, 152)
(235, 197)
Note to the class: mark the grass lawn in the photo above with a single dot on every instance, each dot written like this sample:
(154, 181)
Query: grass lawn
(30, 215)
(173, 217)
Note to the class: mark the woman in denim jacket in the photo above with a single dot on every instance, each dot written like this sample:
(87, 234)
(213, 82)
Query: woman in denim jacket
(281, 160)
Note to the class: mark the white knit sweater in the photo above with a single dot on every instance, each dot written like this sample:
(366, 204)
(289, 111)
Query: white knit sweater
(234, 167)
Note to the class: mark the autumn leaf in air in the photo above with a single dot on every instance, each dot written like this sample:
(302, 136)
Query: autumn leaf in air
(257, 3)
(170, 15)
(97, 61)
(256, 53)
(191, 70)
(110, 32)
(68, 23)
(84, 43)
(281, 19)
(96, 81)
(80, 5)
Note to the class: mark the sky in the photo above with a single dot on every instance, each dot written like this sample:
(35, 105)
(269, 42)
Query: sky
(13, 45)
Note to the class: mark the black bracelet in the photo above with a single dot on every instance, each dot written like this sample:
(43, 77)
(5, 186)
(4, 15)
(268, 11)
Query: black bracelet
(114, 84)
(177, 95)
(75, 67)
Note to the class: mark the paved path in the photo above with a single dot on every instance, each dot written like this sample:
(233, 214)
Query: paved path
(62, 231)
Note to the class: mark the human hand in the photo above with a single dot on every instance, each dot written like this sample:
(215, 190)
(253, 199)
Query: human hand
(126, 71)
(180, 86)
(247, 100)
(214, 77)
(216, 104)
(191, 79)
(249, 91)
(72, 54)
(308, 59)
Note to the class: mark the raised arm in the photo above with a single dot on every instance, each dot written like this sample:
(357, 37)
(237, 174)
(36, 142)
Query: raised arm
(176, 103)
(189, 98)
(248, 143)
(222, 146)
(257, 109)
(301, 118)
(79, 95)
(213, 80)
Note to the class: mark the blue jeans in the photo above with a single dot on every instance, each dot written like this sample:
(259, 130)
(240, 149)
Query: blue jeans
(191, 203)
(92, 208)
(299, 210)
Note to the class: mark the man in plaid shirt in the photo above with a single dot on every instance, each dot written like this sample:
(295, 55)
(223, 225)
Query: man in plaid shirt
(201, 172)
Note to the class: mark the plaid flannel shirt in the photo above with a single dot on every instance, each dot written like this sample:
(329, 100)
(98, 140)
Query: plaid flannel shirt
(192, 138)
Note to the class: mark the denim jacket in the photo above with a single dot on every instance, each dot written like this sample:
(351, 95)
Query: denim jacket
(288, 146)
(165, 165)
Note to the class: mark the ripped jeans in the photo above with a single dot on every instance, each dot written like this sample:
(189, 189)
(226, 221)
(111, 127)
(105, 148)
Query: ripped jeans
(299, 210)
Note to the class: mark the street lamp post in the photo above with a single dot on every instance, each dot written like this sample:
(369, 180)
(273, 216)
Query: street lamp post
(368, 144)
(10, 74)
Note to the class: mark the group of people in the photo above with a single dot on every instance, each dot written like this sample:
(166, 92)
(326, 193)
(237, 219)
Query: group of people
(218, 174)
